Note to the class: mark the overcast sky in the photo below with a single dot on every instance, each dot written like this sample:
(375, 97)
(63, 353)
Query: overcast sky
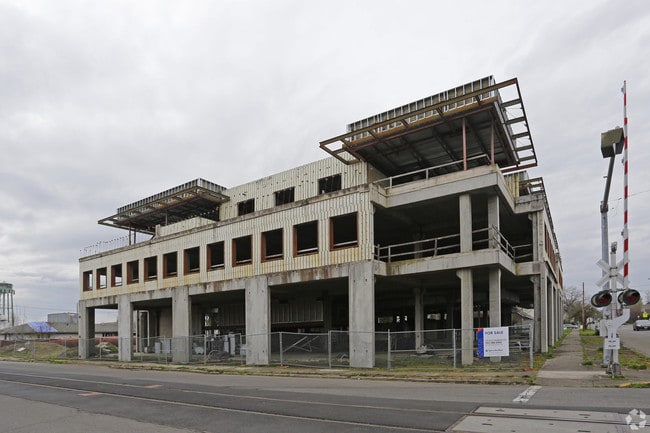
(105, 103)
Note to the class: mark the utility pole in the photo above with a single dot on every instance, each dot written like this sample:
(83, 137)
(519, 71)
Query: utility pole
(584, 325)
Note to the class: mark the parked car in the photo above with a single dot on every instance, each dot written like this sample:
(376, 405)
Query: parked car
(641, 325)
(570, 326)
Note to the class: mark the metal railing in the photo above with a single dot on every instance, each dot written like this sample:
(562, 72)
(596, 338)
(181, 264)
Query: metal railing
(429, 172)
(450, 244)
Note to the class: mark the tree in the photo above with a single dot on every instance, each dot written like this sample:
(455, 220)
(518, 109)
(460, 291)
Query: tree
(573, 306)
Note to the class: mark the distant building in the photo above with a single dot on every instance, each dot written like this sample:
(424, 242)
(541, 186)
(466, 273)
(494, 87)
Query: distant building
(46, 330)
(7, 316)
(423, 215)
(63, 317)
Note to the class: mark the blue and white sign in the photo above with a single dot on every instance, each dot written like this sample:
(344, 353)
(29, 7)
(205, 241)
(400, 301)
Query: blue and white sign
(493, 342)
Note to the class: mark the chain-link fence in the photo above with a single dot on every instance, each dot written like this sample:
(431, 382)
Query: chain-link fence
(197, 349)
(302, 350)
(393, 350)
(444, 348)
(53, 348)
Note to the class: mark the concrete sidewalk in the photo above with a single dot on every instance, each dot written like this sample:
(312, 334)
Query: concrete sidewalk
(566, 369)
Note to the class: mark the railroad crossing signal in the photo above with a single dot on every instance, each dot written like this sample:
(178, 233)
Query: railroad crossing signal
(629, 297)
(611, 273)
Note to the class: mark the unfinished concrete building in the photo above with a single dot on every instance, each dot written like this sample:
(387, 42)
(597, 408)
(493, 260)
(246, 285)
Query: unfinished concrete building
(424, 212)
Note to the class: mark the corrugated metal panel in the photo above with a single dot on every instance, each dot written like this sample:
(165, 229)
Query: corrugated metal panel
(304, 179)
(423, 103)
(200, 236)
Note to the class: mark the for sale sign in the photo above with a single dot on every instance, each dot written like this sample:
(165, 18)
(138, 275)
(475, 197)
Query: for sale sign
(493, 342)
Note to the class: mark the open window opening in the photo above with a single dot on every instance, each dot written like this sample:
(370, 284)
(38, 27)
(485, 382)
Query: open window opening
(191, 260)
(343, 231)
(87, 281)
(151, 268)
(132, 272)
(116, 275)
(285, 196)
(170, 264)
(305, 238)
(245, 207)
(242, 250)
(272, 246)
(216, 255)
(329, 184)
(102, 278)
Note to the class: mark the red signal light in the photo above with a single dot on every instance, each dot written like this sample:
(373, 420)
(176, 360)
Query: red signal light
(601, 299)
(629, 297)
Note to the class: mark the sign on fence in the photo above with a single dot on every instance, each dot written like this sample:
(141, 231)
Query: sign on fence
(493, 342)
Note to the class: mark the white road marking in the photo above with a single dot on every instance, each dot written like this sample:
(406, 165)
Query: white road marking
(527, 394)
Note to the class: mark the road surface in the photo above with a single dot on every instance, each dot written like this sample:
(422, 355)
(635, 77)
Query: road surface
(88, 398)
(635, 340)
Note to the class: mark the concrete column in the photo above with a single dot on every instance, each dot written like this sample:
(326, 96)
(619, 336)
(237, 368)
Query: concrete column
(125, 328)
(537, 334)
(550, 299)
(361, 302)
(494, 221)
(541, 314)
(540, 292)
(258, 321)
(181, 323)
(466, 315)
(495, 302)
(495, 297)
(419, 316)
(86, 330)
(465, 212)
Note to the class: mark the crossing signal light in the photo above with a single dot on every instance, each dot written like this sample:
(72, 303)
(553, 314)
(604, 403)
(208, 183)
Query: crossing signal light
(629, 297)
(601, 299)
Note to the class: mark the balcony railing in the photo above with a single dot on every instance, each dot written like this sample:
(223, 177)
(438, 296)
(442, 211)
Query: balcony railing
(485, 238)
(113, 244)
(426, 173)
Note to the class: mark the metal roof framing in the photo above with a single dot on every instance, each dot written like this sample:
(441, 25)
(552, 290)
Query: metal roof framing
(195, 198)
(376, 142)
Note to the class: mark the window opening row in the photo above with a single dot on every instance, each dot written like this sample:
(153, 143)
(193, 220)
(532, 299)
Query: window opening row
(288, 195)
(343, 231)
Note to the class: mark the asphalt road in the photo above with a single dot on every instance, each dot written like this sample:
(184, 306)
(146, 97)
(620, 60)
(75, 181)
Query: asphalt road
(87, 398)
(636, 340)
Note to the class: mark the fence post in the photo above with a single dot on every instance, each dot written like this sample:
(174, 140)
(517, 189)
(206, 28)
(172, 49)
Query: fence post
(453, 345)
(281, 359)
(388, 356)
